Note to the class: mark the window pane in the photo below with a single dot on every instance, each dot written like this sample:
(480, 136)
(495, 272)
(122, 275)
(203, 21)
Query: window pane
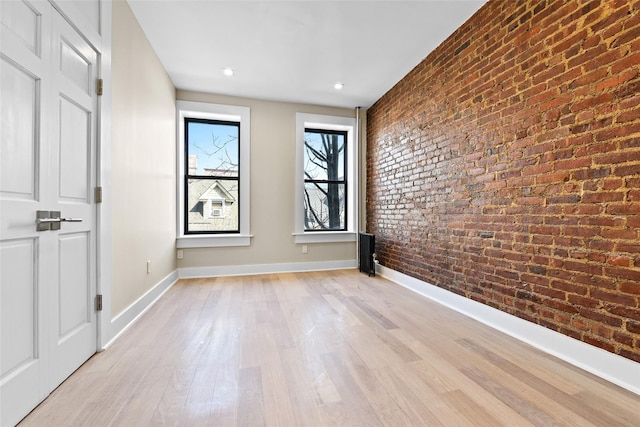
(324, 155)
(324, 206)
(213, 148)
(212, 205)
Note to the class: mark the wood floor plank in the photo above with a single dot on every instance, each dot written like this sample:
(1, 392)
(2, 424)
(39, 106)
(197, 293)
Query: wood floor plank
(277, 402)
(344, 316)
(353, 408)
(372, 314)
(524, 398)
(168, 410)
(438, 370)
(386, 407)
(250, 398)
(571, 401)
(303, 392)
(370, 348)
(530, 410)
(334, 348)
(608, 406)
(475, 414)
(139, 407)
(537, 363)
(415, 407)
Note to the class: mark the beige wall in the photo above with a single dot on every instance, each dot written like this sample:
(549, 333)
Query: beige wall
(273, 149)
(143, 163)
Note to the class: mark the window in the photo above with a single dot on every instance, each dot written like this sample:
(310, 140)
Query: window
(326, 171)
(213, 165)
(325, 182)
(212, 176)
(216, 208)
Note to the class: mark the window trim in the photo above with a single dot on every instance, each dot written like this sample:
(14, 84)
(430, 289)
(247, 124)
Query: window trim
(332, 123)
(218, 112)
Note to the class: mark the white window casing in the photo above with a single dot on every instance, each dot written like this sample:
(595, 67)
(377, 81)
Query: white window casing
(202, 110)
(316, 121)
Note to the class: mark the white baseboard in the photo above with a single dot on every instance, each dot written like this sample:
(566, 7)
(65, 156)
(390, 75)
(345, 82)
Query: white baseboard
(606, 365)
(245, 270)
(126, 318)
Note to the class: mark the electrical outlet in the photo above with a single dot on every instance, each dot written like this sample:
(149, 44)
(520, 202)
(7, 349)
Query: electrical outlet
(180, 254)
(304, 249)
(149, 267)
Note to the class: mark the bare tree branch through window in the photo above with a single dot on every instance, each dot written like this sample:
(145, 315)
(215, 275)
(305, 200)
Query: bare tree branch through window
(325, 179)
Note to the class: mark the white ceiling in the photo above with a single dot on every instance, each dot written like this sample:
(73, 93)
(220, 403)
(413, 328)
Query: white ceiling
(296, 51)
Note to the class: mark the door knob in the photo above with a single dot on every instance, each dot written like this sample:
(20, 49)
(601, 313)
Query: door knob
(70, 219)
(50, 220)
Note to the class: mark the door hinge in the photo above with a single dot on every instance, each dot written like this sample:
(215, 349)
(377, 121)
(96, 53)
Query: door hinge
(98, 195)
(98, 302)
(99, 85)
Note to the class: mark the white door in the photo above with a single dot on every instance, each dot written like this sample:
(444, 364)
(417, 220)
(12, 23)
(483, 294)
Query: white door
(48, 155)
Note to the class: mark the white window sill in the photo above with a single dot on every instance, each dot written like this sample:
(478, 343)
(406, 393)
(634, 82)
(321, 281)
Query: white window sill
(325, 237)
(213, 241)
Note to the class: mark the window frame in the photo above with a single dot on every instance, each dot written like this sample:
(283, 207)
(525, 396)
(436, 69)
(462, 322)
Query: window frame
(220, 113)
(188, 176)
(329, 123)
(345, 176)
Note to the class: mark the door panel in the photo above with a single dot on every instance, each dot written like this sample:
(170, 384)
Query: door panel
(75, 145)
(20, 100)
(75, 67)
(85, 15)
(19, 305)
(73, 292)
(22, 20)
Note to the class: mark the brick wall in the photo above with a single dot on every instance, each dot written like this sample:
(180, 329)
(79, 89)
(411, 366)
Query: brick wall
(506, 167)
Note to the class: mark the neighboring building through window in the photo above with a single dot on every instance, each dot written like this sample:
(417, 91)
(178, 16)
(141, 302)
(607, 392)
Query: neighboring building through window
(213, 164)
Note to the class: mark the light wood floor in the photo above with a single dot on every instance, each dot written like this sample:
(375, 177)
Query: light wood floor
(323, 349)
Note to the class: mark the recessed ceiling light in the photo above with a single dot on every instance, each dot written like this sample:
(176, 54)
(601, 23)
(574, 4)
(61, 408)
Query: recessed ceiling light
(338, 86)
(228, 71)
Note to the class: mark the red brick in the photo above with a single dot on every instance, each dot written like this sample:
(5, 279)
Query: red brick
(622, 261)
(612, 297)
(633, 327)
(603, 197)
(630, 288)
(572, 163)
(616, 80)
(617, 157)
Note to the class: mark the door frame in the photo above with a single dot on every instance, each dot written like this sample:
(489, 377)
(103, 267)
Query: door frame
(103, 179)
